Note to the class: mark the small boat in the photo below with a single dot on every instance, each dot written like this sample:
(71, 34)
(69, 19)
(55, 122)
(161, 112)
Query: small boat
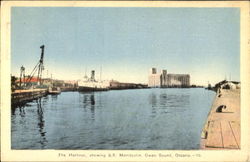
(54, 90)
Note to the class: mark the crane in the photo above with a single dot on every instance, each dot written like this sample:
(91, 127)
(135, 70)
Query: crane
(38, 68)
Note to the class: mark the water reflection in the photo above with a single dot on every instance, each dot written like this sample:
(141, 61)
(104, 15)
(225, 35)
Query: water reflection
(21, 109)
(152, 119)
(36, 107)
(153, 102)
(54, 97)
(89, 103)
(45, 99)
(92, 107)
(41, 122)
(164, 102)
(163, 99)
(92, 99)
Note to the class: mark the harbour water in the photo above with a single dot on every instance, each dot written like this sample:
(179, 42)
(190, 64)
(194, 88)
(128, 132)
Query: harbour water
(141, 119)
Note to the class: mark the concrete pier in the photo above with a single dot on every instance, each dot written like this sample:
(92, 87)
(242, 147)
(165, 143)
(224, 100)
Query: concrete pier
(222, 128)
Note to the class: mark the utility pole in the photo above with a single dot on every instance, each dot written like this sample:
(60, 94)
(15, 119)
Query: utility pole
(22, 75)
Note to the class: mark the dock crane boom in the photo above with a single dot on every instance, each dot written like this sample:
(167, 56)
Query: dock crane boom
(39, 67)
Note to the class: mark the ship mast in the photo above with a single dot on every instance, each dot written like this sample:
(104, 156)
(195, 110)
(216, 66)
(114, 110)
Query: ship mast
(100, 73)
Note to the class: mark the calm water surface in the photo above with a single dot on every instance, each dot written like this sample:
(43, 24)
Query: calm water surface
(122, 119)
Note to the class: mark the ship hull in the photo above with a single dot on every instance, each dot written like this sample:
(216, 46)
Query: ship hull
(54, 92)
(90, 89)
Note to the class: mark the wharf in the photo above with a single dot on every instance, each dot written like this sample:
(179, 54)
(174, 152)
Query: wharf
(22, 96)
(115, 85)
(68, 89)
(222, 129)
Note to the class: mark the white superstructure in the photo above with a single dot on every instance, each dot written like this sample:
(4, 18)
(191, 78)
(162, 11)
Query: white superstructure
(92, 84)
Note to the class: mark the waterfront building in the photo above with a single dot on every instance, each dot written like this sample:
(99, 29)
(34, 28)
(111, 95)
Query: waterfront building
(154, 79)
(26, 81)
(178, 80)
(163, 79)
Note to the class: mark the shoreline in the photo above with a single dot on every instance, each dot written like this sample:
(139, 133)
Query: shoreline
(25, 96)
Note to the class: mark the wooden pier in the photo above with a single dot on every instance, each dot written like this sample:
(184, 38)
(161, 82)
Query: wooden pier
(222, 129)
(22, 96)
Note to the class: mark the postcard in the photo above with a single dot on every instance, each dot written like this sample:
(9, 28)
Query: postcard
(125, 81)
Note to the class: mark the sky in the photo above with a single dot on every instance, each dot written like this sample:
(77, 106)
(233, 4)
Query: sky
(124, 43)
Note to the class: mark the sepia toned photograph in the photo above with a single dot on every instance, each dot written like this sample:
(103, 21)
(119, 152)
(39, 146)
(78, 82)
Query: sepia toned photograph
(125, 78)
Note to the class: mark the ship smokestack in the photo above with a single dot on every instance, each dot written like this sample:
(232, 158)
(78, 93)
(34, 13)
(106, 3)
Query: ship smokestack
(92, 75)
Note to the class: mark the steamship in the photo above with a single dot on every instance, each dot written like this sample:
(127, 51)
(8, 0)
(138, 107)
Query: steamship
(91, 84)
